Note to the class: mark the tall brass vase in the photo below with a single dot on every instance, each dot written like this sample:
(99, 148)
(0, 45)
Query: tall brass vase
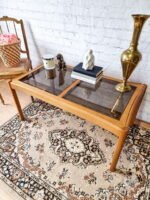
(131, 57)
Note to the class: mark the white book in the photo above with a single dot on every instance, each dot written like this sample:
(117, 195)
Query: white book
(86, 78)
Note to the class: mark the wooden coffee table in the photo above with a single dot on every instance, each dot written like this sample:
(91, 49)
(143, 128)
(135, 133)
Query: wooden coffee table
(101, 104)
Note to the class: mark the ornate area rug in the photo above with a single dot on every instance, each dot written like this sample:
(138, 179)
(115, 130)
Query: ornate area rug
(55, 155)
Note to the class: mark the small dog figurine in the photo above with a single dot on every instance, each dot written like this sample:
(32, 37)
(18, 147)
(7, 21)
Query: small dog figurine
(60, 62)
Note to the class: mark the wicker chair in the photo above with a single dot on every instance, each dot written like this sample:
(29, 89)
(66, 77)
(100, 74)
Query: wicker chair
(15, 26)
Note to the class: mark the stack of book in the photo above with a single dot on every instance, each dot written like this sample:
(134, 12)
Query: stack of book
(90, 76)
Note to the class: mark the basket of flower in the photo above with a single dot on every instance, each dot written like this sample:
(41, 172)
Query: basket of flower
(9, 49)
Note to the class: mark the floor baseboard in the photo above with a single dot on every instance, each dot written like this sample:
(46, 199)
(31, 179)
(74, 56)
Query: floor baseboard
(142, 123)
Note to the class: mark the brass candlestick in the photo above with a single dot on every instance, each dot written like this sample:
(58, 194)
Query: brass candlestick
(131, 57)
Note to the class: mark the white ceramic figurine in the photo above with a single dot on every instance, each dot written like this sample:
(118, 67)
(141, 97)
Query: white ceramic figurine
(88, 62)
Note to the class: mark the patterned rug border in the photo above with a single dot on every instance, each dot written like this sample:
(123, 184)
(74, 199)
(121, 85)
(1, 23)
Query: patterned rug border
(37, 180)
(42, 183)
(20, 167)
(16, 115)
(24, 110)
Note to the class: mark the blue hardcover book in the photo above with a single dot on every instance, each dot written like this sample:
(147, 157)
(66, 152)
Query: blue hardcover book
(93, 73)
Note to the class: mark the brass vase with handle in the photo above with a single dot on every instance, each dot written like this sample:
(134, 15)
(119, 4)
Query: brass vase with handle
(131, 57)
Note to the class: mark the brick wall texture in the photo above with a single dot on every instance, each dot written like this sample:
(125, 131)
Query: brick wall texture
(71, 27)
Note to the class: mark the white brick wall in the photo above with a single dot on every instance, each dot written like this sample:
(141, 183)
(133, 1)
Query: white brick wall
(73, 26)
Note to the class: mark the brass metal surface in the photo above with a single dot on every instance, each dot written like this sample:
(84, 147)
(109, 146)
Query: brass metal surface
(131, 57)
(116, 104)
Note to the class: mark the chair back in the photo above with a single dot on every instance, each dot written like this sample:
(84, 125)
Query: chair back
(15, 26)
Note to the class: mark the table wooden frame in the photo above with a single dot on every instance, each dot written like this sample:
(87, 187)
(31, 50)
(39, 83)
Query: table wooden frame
(119, 127)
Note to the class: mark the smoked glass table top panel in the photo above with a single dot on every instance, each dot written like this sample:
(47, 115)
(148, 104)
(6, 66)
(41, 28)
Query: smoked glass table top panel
(52, 81)
(102, 98)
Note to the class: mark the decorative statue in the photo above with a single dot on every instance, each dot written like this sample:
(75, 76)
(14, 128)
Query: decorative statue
(60, 62)
(131, 57)
(88, 62)
(61, 65)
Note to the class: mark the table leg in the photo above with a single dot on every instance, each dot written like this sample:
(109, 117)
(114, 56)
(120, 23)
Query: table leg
(117, 151)
(17, 103)
(1, 98)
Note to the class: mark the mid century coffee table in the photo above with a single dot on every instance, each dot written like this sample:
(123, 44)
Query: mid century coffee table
(101, 104)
